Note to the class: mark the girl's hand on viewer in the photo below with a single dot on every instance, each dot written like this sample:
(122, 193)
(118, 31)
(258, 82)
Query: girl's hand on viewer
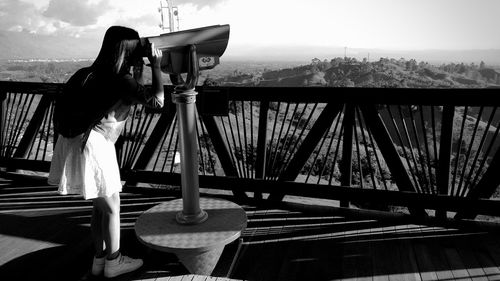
(155, 55)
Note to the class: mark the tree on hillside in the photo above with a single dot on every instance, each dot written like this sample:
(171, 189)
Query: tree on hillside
(411, 65)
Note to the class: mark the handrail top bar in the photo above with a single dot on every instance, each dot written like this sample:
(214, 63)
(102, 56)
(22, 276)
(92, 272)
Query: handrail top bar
(413, 96)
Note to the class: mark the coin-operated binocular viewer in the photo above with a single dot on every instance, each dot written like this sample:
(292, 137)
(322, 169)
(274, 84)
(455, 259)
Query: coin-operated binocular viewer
(194, 229)
(188, 52)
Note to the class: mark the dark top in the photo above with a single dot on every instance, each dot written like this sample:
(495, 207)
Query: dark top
(93, 100)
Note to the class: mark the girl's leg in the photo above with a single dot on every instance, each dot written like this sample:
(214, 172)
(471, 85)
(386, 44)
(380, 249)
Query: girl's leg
(115, 263)
(109, 207)
(96, 229)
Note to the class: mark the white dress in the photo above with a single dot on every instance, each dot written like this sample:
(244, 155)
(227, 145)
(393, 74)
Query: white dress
(92, 173)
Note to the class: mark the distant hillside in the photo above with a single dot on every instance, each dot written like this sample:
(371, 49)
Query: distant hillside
(388, 73)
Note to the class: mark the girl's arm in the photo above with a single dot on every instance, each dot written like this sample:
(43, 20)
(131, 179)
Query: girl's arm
(155, 97)
(155, 57)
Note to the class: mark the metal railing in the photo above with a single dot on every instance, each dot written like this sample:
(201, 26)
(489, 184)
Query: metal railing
(419, 148)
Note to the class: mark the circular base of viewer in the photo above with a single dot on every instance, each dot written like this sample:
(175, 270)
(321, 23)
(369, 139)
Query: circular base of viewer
(197, 246)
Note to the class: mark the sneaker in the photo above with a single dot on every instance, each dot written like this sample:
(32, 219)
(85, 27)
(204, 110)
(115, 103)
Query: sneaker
(121, 265)
(98, 266)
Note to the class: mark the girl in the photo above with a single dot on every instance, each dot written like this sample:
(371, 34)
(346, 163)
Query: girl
(89, 117)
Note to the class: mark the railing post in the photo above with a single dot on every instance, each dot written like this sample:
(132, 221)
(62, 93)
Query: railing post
(260, 163)
(443, 172)
(346, 164)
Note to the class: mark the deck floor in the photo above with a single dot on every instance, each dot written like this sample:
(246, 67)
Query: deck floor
(45, 236)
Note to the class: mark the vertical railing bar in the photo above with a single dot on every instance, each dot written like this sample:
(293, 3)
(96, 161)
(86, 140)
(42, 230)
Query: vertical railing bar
(400, 138)
(50, 117)
(368, 158)
(279, 145)
(160, 147)
(231, 151)
(127, 135)
(419, 151)
(127, 131)
(286, 138)
(172, 164)
(8, 116)
(200, 149)
(142, 138)
(410, 147)
(148, 119)
(42, 128)
(262, 136)
(206, 138)
(339, 140)
(238, 162)
(329, 147)
(412, 153)
(247, 162)
(469, 150)
(427, 151)
(211, 157)
(317, 155)
(479, 148)
(483, 161)
(33, 126)
(434, 136)
(289, 152)
(252, 142)
(3, 119)
(445, 151)
(346, 173)
(13, 128)
(32, 144)
(454, 188)
(242, 151)
(11, 123)
(39, 139)
(23, 114)
(199, 133)
(299, 137)
(372, 141)
(163, 166)
(169, 147)
(171, 140)
(126, 143)
(269, 149)
(133, 138)
(358, 151)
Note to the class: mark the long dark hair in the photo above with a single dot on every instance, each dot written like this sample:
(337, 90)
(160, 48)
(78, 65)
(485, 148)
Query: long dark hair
(120, 49)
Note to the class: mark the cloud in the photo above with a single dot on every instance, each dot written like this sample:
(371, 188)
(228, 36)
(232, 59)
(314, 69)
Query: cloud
(199, 3)
(17, 15)
(77, 13)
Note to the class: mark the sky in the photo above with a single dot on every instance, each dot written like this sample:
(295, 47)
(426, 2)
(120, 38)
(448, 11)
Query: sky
(279, 26)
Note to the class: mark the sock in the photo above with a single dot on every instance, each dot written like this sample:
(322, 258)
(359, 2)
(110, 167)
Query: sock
(114, 255)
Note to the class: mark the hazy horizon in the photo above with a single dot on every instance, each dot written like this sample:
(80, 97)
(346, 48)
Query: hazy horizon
(285, 30)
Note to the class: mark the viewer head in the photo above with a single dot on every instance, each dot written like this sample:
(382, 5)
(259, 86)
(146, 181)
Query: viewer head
(120, 50)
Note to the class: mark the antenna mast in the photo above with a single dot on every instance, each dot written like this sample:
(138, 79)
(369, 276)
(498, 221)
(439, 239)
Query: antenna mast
(169, 14)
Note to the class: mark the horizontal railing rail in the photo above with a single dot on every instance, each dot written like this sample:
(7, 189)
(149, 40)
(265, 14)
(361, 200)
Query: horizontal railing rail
(430, 145)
